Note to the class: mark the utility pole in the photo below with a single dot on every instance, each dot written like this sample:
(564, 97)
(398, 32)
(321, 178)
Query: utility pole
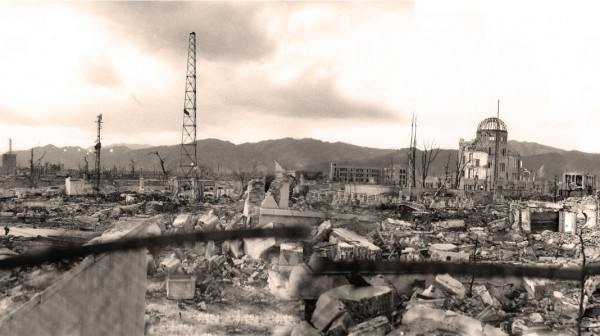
(188, 161)
(97, 149)
(412, 154)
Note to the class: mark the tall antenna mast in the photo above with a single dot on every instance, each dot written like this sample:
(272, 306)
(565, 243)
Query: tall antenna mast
(97, 152)
(188, 161)
(410, 151)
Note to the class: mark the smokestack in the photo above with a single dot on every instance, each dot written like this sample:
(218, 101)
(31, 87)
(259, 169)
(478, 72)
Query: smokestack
(9, 145)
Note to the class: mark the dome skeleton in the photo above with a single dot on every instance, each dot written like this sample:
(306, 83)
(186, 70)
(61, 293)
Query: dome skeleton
(492, 124)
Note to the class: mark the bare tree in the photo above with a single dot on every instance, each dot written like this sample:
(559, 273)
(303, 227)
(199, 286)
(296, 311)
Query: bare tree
(245, 175)
(389, 176)
(35, 170)
(428, 155)
(162, 165)
(132, 165)
(86, 167)
(447, 169)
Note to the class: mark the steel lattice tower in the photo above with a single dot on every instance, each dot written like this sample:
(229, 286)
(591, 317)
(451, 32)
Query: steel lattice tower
(188, 161)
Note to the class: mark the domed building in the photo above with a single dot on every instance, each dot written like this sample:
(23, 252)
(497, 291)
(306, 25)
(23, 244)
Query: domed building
(486, 163)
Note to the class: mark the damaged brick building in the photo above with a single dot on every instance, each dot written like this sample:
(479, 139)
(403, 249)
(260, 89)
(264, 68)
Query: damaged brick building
(487, 163)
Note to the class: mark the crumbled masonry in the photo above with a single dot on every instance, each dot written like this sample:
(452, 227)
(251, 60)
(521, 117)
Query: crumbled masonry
(235, 286)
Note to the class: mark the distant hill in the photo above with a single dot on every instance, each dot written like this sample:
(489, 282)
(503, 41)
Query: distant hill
(531, 148)
(299, 154)
(130, 146)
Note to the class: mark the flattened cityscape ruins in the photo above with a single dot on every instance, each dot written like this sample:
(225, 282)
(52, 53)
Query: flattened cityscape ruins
(485, 207)
(272, 285)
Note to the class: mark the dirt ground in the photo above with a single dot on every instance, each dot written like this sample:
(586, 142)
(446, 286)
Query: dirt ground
(243, 310)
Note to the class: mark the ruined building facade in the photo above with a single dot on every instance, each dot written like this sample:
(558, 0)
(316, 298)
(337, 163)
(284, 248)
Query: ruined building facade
(478, 158)
(358, 174)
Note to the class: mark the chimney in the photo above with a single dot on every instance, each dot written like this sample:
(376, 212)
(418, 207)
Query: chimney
(9, 146)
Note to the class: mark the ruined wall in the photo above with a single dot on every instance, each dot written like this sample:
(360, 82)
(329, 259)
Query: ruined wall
(289, 217)
(368, 189)
(102, 295)
(74, 187)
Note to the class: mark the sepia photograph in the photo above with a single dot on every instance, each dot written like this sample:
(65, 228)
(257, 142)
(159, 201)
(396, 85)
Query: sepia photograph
(291, 168)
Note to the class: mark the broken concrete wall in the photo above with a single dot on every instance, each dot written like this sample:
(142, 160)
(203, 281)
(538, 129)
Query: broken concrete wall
(289, 217)
(102, 295)
(368, 189)
(74, 187)
(255, 195)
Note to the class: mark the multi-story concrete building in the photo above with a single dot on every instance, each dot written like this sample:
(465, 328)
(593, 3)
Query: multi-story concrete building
(576, 183)
(359, 174)
(486, 162)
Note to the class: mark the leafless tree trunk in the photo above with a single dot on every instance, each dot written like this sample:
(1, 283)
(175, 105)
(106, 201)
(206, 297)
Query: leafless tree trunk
(427, 157)
(35, 169)
(162, 165)
(132, 164)
(86, 166)
(447, 169)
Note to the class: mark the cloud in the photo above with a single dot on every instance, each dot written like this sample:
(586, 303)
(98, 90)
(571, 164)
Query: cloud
(14, 118)
(102, 72)
(224, 31)
(306, 97)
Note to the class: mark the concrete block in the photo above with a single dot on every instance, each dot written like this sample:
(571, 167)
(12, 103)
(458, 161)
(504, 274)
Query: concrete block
(341, 325)
(536, 288)
(452, 224)
(444, 247)
(466, 325)
(304, 284)
(290, 254)
(269, 202)
(235, 248)
(328, 308)
(351, 245)
(525, 220)
(322, 230)
(210, 249)
(181, 287)
(375, 326)
(364, 302)
(418, 312)
(153, 230)
(278, 285)
(567, 306)
(284, 195)
(185, 221)
(171, 263)
(450, 285)
(449, 256)
(567, 221)
(256, 247)
(489, 330)
(87, 220)
(305, 329)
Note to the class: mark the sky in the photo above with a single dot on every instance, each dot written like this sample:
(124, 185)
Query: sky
(336, 71)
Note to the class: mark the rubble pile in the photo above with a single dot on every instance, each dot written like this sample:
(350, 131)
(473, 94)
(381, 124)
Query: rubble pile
(442, 303)
(215, 264)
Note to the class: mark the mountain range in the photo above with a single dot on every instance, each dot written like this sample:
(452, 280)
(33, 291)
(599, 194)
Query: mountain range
(295, 154)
